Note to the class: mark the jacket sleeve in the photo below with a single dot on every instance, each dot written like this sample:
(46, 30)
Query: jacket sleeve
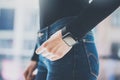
(35, 57)
(97, 11)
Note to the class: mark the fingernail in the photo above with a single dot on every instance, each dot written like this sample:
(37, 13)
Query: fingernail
(39, 52)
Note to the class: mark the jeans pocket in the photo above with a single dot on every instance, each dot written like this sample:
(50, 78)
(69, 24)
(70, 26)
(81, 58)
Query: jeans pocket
(92, 56)
(66, 58)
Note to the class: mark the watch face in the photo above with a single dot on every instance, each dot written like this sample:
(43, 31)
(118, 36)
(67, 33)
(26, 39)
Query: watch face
(69, 40)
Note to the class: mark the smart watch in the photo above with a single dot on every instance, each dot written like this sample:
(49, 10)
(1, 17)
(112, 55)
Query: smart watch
(68, 37)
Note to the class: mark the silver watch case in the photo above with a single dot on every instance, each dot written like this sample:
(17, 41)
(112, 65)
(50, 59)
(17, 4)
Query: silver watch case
(69, 40)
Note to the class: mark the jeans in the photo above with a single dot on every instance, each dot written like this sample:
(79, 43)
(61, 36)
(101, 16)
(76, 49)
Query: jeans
(80, 63)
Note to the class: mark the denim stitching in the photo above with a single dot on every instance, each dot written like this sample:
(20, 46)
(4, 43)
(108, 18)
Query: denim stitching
(86, 52)
(74, 65)
(90, 54)
(88, 59)
(88, 41)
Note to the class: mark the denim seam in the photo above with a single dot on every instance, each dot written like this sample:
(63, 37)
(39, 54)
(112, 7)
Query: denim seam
(86, 52)
(88, 60)
(88, 41)
(90, 54)
(74, 65)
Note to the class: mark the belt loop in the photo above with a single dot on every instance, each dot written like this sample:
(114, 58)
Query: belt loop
(84, 40)
(39, 34)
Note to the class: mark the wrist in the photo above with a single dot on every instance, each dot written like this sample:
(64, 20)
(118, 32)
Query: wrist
(68, 38)
(33, 62)
(33, 65)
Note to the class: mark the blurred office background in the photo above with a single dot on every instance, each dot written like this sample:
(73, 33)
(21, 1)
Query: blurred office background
(19, 23)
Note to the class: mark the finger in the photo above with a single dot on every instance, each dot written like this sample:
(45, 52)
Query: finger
(58, 33)
(50, 56)
(47, 54)
(54, 58)
(29, 77)
(44, 52)
(25, 74)
(40, 50)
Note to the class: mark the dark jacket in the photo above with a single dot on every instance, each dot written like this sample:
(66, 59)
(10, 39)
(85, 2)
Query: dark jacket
(88, 12)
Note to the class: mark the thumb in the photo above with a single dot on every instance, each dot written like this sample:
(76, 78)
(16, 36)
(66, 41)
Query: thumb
(29, 77)
(40, 50)
(33, 76)
(58, 33)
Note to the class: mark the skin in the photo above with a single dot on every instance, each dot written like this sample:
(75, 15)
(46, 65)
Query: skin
(52, 49)
(28, 74)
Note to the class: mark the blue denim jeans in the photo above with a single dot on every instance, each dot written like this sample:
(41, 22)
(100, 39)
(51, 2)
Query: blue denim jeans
(80, 63)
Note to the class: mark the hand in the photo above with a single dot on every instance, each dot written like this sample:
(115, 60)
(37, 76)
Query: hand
(54, 48)
(28, 74)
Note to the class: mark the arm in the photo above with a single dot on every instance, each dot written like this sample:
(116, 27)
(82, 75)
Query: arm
(91, 16)
(35, 57)
(28, 74)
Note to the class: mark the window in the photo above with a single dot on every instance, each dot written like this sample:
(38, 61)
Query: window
(6, 19)
(115, 47)
(6, 43)
(28, 44)
(116, 18)
(32, 20)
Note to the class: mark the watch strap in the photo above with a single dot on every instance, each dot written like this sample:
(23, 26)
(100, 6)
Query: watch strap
(68, 38)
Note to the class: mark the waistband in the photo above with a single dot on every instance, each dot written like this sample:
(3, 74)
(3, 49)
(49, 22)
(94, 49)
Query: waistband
(47, 31)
